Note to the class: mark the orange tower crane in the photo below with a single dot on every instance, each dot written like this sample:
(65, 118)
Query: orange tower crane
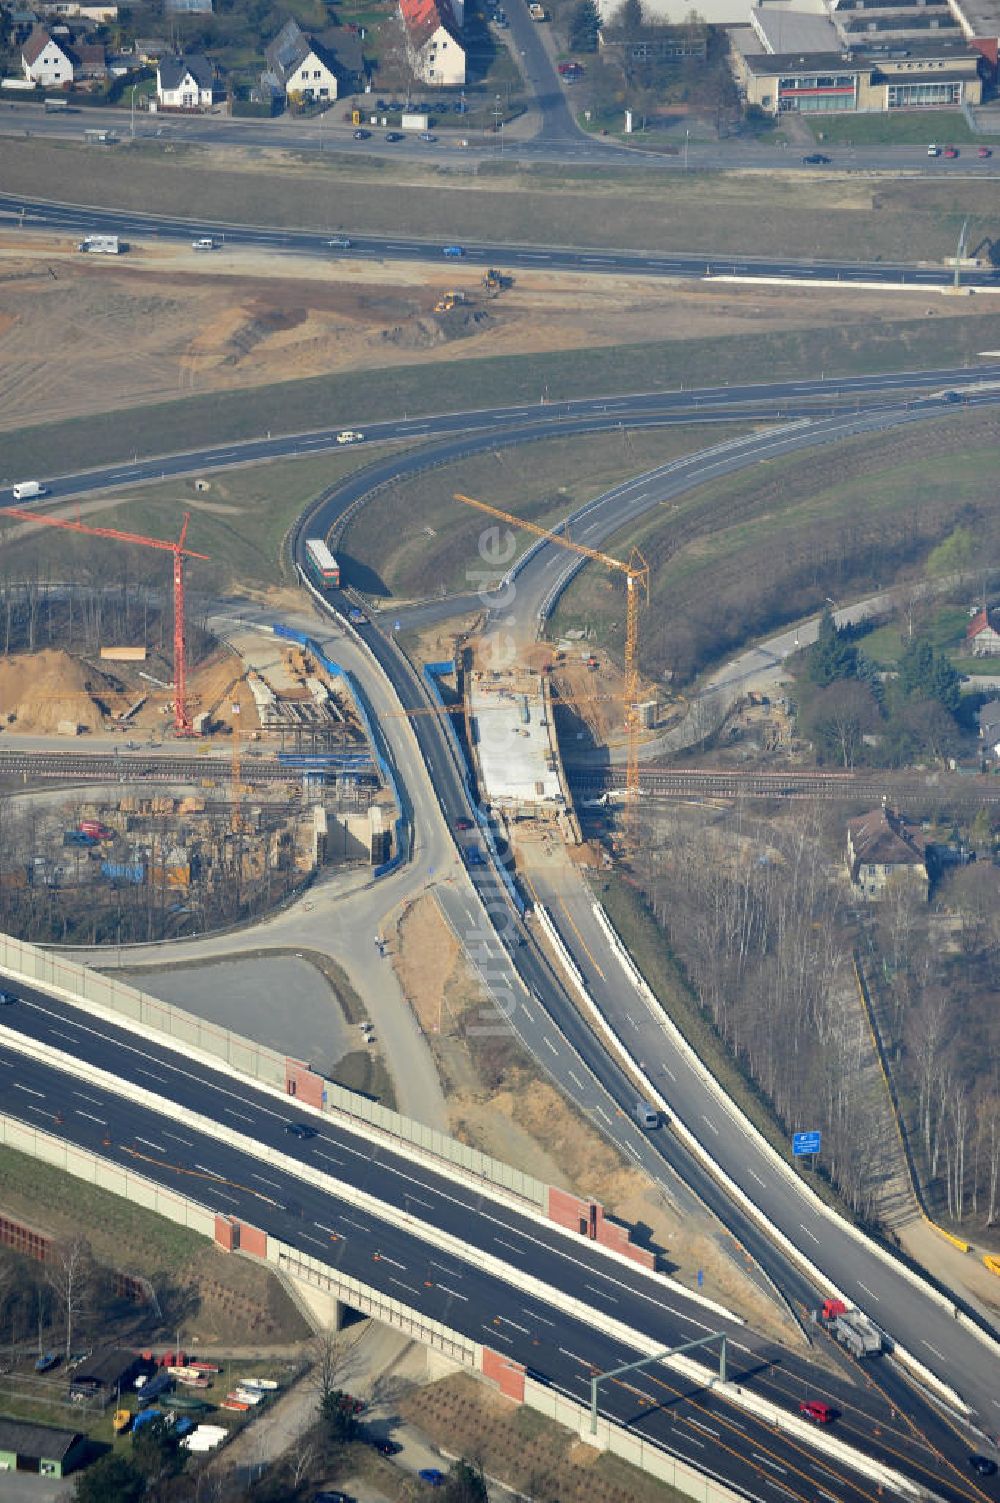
(636, 572)
(182, 720)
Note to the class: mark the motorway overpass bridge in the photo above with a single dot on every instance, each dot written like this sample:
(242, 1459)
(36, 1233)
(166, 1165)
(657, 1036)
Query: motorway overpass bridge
(525, 1283)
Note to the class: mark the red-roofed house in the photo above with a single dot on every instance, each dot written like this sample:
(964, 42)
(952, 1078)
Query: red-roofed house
(982, 635)
(433, 29)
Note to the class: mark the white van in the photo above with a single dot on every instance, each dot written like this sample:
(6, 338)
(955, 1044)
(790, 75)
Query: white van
(28, 490)
(204, 244)
(647, 1116)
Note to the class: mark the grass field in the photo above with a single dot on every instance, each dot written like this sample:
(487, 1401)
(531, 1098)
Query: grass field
(944, 628)
(946, 127)
(746, 213)
(793, 517)
(366, 396)
(414, 540)
(240, 522)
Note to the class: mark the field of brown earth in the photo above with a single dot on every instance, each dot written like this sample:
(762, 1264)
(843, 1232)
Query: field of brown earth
(81, 335)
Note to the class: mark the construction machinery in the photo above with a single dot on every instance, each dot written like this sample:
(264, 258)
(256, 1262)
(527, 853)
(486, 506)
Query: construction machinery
(182, 717)
(636, 572)
(495, 281)
(448, 300)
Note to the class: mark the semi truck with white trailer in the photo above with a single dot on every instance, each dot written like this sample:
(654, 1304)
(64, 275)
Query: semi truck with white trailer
(102, 245)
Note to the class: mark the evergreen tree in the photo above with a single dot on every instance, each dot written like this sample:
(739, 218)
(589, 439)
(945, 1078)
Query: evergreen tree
(926, 674)
(465, 1484)
(831, 657)
(584, 24)
(629, 18)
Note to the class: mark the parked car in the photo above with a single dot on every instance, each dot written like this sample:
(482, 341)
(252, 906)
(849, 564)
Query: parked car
(386, 1447)
(984, 151)
(302, 1129)
(933, 151)
(393, 135)
(432, 1476)
(356, 617)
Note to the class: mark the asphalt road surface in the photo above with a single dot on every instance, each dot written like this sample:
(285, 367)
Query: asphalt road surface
(405, 1263)
(79, 221)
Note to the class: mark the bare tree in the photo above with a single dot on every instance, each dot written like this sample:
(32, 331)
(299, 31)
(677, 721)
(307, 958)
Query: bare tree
(70, 1275)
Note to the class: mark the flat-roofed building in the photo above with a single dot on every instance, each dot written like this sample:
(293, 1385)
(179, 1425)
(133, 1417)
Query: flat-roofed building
(922, 75)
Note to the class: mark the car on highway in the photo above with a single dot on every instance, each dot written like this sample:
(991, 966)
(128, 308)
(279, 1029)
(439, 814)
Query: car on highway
(302, 1130)
(6, 998)
(816, 159)
(818, 1412)
(453, 252)
(432, 1475)
(206, 243)
(474, 856)
(463, 823)
(356, 617)
(933, 151)
(339, 242)
(393, 135)
(984, 1465)
(427, 135)
(951, 151)
(984, 151)
(349, 436)
(362, 135)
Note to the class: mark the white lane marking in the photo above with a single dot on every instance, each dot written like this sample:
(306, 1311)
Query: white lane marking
(506, 1321)
(231, 1198)
(453, 1273)
(502, 1243)
(629, 1149)
(550, 1045)
(152, 1074)
(158, 1146)
(667, 1071)
(809, 1233)
(241, 1115)
(186, 1141)
(534, 1315)
(755, 1175)
(710, 1124)
(600, 1112)
(575, 1355)
(384, 1258)
(319, 1154)
(766, 1461)
(67, 1036)
(265, 1181)
(603, 1293)
(356, 1224)
(499, 1335)
(84, 1097)
(399, 1284)
(868, 1291)
(206, 1170)
(306, 1237)
(692, 1438)
(19, 1087)
(326, 1229)
(575, 1078)
(454, 1293)
(705, 1429)
(408, 1197)
(932, 1349)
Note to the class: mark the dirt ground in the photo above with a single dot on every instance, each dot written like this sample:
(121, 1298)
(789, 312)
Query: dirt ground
(149, 327)
(529, 1452)
(500, 1104)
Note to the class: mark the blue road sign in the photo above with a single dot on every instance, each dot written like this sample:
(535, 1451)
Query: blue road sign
(701, 1277)
(806, 1142)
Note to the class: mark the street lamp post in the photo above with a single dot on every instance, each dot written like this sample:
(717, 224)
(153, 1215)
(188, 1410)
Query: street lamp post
(687, 142)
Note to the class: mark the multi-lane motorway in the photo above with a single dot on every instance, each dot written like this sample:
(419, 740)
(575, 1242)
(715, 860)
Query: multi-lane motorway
(79, 221)
(465, 1289)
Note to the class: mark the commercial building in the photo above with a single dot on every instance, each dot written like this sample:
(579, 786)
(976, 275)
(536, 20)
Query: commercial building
(943, 73)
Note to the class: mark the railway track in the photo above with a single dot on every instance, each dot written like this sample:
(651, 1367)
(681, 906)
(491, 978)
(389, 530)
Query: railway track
(793, 784)
(27, 767)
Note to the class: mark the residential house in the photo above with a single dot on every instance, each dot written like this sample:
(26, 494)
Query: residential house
(72, 10)
(184, 83)
(89, 60)
(300, 66)
(982, 635)
(883, 850)
(989, 726)
(44, 61)
(433, 30)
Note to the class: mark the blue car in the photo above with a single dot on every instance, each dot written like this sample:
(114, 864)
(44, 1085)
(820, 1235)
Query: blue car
(432, 1476)
(455, 251)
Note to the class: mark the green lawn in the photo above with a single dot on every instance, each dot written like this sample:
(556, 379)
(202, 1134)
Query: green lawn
(944, 628)
(946, 127)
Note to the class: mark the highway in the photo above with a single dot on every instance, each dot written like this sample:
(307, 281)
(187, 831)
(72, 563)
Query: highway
(292, 1202)
(78, 221)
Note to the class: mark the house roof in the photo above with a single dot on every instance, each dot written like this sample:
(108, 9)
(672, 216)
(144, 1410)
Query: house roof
(422, 18)
(173, 70)
(107, 1367)
(89, 55)
(36, 44)
(983, 620)
(291, 47)
(37, 1441)
(883, 838)
(989, 716)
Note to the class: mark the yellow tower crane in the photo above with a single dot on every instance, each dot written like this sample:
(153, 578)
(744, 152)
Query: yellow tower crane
(636, 572)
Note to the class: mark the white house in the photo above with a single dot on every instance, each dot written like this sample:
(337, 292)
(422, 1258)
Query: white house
(44, 61)
(299, 65)
(433, 30)
(184, 83)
